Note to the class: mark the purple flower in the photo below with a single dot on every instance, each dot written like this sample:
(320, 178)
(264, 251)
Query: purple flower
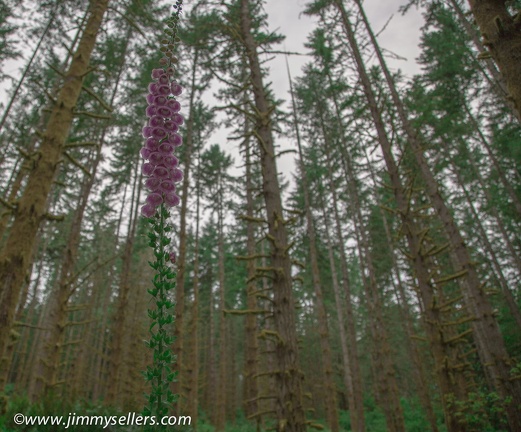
(156, 121)
(178, 119)
(173, 105)
(163, 79)
(170, 126)
(167, 186)
(156, 73)
(154, 199)
(164, 90)
(147, 169)
(176, 175)
(159, 133)
(152, 144)
(175, 139)
(172, 257)
(160, 172)
(162, 139)
(147, 131)
(152, 184)
(151, 110)
(166, 148)
(153, 88)
(145, 153)
(176, 89)
(170, 161)
(156, 158)
(148, 210)
(160, 100)
(164, 111)
(171, 199)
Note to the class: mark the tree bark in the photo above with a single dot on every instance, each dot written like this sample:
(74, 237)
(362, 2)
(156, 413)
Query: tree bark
(289, 408)
(502, 36)
(251, 355)
(16, 256)
(192, 382)
(348, 344)
(223, 337)
(491, 348)
(181, 261)
(330, 401)
(420, 259)
(119, 325)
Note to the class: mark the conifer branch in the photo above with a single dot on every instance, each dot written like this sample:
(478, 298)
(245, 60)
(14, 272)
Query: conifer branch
(7, 204)
(98, 98)
(285, 151)
(93, 115)
(130, 21)
(78, 164)
(54, 218)
(24, 324)
(82, 144)
(55, 69)
(251, 257)
(252, 219)
(246, 312)
(458, 336)
(451, 277)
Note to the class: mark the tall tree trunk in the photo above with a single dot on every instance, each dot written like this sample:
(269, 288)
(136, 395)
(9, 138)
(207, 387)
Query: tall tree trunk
(16, 256)
(119, 325)
(251, 354)
(348, 343)
(192, 383)
(495, 162)
(223, 339)
(407, 318)
(502, 36)
(181, 266)
(330, 401)
(21, 173)
(507, 293)
(491, 348)
(495, 79)
(5, 115)
(289, 408)
(420, 259)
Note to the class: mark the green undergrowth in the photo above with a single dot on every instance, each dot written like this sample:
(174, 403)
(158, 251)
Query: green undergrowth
(415, 420)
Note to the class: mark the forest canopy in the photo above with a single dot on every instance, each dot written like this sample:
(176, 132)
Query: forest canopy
(343, 256)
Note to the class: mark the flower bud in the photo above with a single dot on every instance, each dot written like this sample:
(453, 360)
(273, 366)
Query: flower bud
(156, 73)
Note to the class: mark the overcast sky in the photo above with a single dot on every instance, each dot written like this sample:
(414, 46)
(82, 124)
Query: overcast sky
(285, 16)
(401, 36)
